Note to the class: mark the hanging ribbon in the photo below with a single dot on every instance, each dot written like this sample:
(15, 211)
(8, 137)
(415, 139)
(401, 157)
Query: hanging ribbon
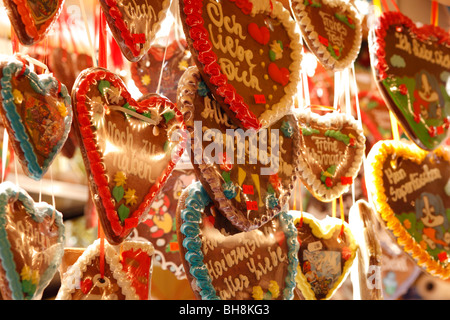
(434, 13)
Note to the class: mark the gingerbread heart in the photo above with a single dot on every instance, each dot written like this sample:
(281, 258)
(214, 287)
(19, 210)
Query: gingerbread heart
(147, 71)
(32, 19)
(411, 66)
(37, 113)
(159, 226)
(234, 43)
(32, 237)
(227, 264)
(362, 221)
(129, 147)
(410, 192)
(134, 24)
(332, 149)
(125, 275)
(249, 181)
(326, 254)
(331, 29)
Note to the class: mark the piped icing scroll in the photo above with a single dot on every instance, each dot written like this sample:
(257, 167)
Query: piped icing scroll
(410, 191)
(249, 175)
(129, 147)
(248, 53)
(134, 23)
(332, 30)
(326, 254)
(36, 110)
(32, 244)
(332, 149)
(228, 264)
(411, 65)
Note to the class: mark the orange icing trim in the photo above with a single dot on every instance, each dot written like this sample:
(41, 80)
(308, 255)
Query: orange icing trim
(377, 157)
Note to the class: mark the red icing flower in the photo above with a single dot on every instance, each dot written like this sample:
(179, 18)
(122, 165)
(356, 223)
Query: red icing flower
(226, 162)
(328, 182)
(86, 285)
(403, 89)
(275, 181)
(442, 256)
(346, 180)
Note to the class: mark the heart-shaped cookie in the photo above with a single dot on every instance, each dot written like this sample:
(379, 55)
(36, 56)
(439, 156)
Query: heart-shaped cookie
(332, 149)
(411, 66)
(134, 23)
(363, 223)
(331, 29)
(159, 226)
(249, 181)
(37, 112)
(327, 251)
(227, 264)
(129, 147)
(147, 71)
(32, 19)
(240, 48)
(32, 237)
(125, 275)
(411, 192)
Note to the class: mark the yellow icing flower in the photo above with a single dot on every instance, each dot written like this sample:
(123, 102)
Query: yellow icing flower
(146, 80)
(61, 107)
(257, 293)
(130, 197)
(120, 179)
(423, 244)
(183, 65)
(35, 277)
(407, 224)
(26, 273)
(18, 97)
(274, 289)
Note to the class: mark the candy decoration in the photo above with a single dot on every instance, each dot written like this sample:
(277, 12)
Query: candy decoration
(231, 42)
(248, 183)
(126, 171)
(37, 113)
(226, 267)
(32, 237)
(410, 192)
(32, 19)
(326, 254)
(411, 67)
(134, 24)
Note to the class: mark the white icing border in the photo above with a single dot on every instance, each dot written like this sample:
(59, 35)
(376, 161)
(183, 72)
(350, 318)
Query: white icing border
(319, 49)
(111, 258)
(331, 119)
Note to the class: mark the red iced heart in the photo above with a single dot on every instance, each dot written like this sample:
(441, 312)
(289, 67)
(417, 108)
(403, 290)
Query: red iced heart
(279, 75)
(260, 34)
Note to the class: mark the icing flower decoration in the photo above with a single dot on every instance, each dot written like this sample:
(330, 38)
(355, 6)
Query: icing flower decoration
(229, 190)
(61, 109)
(146, 80)
(130, 197)
(183, 65)
(346, 253)
(120, 178)
(276, 50)
(274, 289)
(407, 224)
(114, 95)
(18, 97)
(257, 293)
(202, 89)
(287, 129)
(29, 280)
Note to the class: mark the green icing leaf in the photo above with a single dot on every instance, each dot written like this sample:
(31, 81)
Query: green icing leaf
(169, 116)
(332, 169)
(338, 136)
(102, 85)
(124, 212)
(226, 176)
(306, 131)
(118, 193)
(270, 189)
